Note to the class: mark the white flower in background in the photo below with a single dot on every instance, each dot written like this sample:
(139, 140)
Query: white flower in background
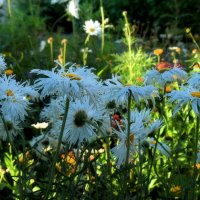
(44, 144)
(58, 1)
(72, 83)
(13, 129)
(2, 64)
(42, 45)
(42, 125)
(54, 110)
(119, 92)
(185, 95)
(92, 27)
(78, 128)
(155, 77)
(73, 8)
(86, 50)
(15, 98)
(139, 131)
(1, 2)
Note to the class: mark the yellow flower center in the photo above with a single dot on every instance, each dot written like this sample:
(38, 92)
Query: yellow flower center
(153, 142)
(91, 29)
(9, 93)
(72, 76)
(195, 94)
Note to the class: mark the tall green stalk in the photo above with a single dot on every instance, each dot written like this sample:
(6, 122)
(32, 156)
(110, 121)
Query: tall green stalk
(102, 26)
(195, 157)
(58, 149)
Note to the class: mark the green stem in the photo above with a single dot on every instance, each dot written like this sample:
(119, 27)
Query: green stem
(9, 8)
(125, 178)
(58, 149)
(102, 26)
(195, 157)
(151, 165)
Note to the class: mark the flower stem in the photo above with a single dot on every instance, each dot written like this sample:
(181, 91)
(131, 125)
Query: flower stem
(102, 26)
(57, 150)
(195, 157)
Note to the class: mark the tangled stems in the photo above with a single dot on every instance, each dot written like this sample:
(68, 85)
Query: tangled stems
(195, 157)
(57, 150)
(21, 195)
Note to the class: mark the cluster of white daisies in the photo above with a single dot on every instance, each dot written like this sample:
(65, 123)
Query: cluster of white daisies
(89, 116)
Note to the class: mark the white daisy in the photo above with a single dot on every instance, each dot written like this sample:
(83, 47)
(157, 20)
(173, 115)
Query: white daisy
(40, 125)
(120, 93)
(139, 131)
(15, 98)
(185, 95)
(92, 27)
(73, 82)
(2, 64)
(58, 1)
(77, 127)
(73, 8)
(161, 78)
(54, 110)
(194, 81)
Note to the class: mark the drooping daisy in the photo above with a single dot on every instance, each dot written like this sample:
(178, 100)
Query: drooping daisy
(73, 8)
(194, 80)
(139, 131)
(15, 98)
(78, 128)
(73, 82)
(168, 76)
(2, 64)
(186, 94)
(120, 93)
(92, 27)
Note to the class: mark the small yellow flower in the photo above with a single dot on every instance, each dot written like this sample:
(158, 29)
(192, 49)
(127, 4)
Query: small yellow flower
(194, 51)
(8, 71)
(198, 165)
(187, 30)
(176, 189)
(178, 49)
(64, 41)
(50, 40)
(158, 52)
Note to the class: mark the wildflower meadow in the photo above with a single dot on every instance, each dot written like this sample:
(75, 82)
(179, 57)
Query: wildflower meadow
(97, 105)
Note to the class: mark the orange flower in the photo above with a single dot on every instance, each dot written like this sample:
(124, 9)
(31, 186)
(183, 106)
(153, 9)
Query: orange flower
(163, 66)
(168, 89)
(139, 79)
(158, 52)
